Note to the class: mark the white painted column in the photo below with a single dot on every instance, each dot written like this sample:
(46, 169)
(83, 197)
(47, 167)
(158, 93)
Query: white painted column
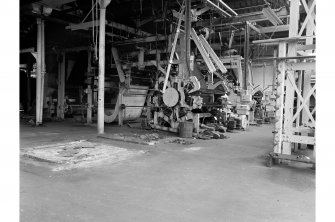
(279, 106)
(292, 51)
(43, 93)
(307, 74)
(39, 72)
(101, 88)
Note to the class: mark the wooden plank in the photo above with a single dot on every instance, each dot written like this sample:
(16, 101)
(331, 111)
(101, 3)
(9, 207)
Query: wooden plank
(300, 66)
(302, 129)
(299, 139)
(306, 47)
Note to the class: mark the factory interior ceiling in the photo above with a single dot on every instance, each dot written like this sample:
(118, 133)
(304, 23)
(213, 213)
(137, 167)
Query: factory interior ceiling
(149, 16)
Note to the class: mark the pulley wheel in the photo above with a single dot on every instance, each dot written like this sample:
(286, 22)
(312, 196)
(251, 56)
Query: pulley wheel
(171, 97)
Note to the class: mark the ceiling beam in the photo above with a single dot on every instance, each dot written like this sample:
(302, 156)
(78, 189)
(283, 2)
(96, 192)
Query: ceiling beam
(251, 17)
(87, 25)
(128, 29)
(270, 29)
(141, 40)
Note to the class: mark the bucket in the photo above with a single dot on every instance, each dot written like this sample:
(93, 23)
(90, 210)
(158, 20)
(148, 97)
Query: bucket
(231, 124)
(185, 129)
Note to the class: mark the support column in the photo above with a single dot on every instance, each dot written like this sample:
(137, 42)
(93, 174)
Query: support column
(279, 107)
(307, 73)
(101, 89)
(89, 89)
(39, 72)
(61, 86)
(44, 83)
(275, 54)
(292, 51)
(246, 57)
(28, 87)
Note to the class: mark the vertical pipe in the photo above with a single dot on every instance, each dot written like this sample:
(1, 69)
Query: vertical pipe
(101, 89)
(187, 37)
(246, 57)
(38, 71)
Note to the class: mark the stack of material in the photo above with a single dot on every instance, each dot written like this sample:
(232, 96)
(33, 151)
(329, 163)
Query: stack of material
(212, 130)
(242, 109)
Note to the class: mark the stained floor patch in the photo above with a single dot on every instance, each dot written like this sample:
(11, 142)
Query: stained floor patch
(193, 149)
(78, 154)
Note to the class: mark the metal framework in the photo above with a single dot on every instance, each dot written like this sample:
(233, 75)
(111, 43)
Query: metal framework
(295, 120)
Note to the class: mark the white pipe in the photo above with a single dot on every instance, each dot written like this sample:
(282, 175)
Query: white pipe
(218, 8)
(227, 7)
(101, 89)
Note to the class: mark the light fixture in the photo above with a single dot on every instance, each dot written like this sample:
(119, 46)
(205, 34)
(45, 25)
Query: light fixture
(46, 11)
(272, 16)
(41, 9)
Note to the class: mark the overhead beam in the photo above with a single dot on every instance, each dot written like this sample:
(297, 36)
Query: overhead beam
(28, 50)
(114, 35)
(263, 30)
(128, 29)
(141, 40)
(87, 25)
(251, 17)
(251, 26)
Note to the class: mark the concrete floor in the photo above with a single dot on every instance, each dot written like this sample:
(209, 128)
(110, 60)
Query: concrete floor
(215, 180)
